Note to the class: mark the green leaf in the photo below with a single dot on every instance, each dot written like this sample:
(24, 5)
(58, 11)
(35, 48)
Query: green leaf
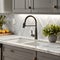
(51, 29)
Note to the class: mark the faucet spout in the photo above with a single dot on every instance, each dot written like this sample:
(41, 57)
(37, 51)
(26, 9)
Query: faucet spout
(24, 24)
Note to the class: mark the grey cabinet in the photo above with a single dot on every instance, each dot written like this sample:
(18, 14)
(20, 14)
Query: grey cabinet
(36, 6)
(20, 6)
(43, 6)
(33, 6)
(8, 58)
(58, 6)
(5, 6)
(14, 53)
(58, 2)
(46, 56)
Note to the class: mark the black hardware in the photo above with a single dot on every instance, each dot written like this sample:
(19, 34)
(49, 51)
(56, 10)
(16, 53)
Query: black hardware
(29, 7)
(12, 51)
(24, 24)
(55, 6)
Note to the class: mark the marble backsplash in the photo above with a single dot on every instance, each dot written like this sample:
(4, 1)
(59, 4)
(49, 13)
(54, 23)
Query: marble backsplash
(15, 23)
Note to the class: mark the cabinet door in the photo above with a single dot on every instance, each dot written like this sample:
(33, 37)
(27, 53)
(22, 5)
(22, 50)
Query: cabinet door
(20, 6)
(58, 4)
(17, 53)
(7, 58)
(42, 6)
(5, 6)
(46, 56)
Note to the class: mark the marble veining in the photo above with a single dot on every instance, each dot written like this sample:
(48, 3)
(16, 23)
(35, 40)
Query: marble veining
(37, 45)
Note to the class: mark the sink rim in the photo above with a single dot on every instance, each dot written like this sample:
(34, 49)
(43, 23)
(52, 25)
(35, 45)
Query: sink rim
(41, 44)
(18, 40)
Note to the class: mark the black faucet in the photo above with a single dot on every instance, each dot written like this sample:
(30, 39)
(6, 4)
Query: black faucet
(24, 24)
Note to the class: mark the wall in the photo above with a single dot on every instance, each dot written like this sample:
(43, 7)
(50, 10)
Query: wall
(15, 23)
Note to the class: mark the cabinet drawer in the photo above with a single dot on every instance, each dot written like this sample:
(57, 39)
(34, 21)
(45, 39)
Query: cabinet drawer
(17, 53)
(0, 51)
(7, 58)
(47, 56)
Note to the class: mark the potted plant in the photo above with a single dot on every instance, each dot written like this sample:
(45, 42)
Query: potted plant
(2, 21)
(51, 31)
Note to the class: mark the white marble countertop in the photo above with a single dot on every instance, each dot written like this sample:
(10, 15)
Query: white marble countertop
(42, 46)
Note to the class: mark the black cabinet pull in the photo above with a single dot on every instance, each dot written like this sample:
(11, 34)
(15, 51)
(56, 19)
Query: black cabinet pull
(12, 51)
(55, 6)
(29, 7)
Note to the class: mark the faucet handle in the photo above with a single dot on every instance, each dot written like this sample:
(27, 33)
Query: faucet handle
(32, 33)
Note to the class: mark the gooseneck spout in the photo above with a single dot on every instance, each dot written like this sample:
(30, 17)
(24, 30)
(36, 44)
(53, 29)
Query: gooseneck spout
(24, 24)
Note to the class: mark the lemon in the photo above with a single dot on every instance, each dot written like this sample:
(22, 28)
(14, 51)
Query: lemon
(3, 31)
(6, 30)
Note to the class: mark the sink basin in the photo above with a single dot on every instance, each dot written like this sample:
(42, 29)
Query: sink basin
(36, 43)
(43, 44)
(19, 40)
(32, 43)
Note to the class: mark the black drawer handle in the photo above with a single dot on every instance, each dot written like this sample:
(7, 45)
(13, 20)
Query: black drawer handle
(12, 51)
(55, 6)
(29, 7)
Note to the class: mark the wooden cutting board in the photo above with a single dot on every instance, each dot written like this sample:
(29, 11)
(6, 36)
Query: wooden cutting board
(6, 34)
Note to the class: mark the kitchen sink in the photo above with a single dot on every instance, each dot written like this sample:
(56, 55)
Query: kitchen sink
(19, 40)
(43, 44)
(36, 43)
